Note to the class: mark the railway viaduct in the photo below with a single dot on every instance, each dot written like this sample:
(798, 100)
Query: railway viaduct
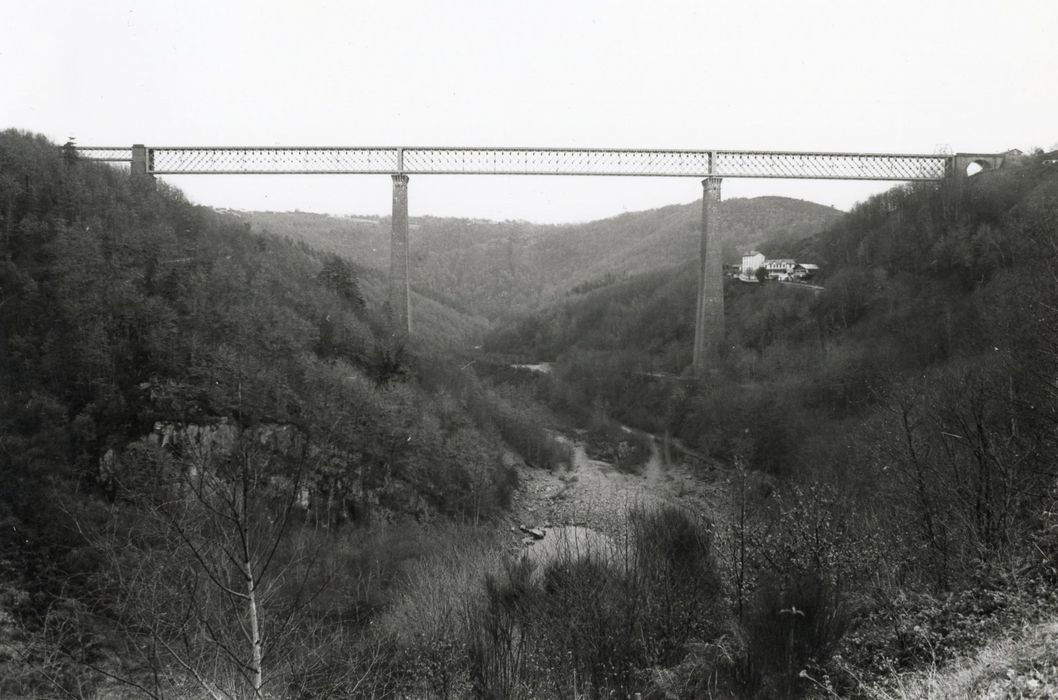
(400, 162)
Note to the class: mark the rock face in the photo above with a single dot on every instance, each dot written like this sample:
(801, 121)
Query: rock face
(535, 532)
(334, 487)
(199, 444)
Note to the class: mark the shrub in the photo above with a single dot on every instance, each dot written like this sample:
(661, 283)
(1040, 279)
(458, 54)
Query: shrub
(608, 441)
(592, 614)
(502, 640)
(793, 553)
(510, 413)
(794, 625)
(676, 574)
(597, 623)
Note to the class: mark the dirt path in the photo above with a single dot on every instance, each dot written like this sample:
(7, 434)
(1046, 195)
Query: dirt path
(597, 495)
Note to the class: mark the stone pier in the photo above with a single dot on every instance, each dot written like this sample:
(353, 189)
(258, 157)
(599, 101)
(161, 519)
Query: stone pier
(399, 297)
(709, 322)
(139, 160)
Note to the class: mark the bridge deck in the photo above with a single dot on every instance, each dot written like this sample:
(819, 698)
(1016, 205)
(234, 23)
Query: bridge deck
(196, 160)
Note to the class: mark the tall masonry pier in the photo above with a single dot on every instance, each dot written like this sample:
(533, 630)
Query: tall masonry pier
(399, 285)
(400, 161)
(709, 320)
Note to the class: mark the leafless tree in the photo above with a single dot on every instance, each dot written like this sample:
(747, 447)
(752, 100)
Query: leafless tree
(209, 575)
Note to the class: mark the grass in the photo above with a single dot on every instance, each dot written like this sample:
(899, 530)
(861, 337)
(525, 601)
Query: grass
(432, 591)
(591, 615)
(1022, 665)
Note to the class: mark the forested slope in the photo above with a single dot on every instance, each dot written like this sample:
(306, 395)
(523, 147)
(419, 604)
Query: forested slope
(917, 278)
(194, 417)
(903, 421)
(500, 268)
(124, 306)
(172, 384)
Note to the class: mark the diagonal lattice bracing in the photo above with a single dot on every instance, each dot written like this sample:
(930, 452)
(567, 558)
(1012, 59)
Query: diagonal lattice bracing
(531, 161)
(246, 161)
(108, 154)
(673, 163)
(839, 166)
(528, 161)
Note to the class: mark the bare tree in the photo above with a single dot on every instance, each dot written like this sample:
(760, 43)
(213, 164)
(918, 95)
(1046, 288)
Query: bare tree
(207, 571)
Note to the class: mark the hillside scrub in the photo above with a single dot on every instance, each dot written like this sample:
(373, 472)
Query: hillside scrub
(649, 612)
(221, 468)
(919, 383)
(496, 269)
(505, 409)
(917, 279)
(598, 621)
(149, 347)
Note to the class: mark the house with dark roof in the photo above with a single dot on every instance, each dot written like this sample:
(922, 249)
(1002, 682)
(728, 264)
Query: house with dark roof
(805, 271)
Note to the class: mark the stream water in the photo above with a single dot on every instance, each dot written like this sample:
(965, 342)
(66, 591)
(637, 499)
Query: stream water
(541, 367)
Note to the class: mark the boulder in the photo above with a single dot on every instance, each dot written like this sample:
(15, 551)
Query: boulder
(535, 532)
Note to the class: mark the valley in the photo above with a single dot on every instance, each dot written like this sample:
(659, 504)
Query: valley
(227, 472)
(597, 495)
(528, 351)
(496, 269)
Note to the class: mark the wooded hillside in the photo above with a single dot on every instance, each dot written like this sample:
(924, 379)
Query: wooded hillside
(501, 268)
(907, 414)
(217, 460)
(178, 394)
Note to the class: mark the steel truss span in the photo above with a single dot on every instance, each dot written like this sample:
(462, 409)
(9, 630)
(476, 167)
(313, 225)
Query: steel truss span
(107, 154)
(529, 161)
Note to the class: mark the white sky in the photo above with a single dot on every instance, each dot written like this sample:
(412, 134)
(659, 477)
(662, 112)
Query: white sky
(846, 75)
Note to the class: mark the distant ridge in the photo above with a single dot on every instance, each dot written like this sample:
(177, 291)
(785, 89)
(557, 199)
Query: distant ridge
(497, 268)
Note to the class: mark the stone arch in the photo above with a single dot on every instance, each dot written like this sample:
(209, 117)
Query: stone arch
(978, 166)
(970, 164)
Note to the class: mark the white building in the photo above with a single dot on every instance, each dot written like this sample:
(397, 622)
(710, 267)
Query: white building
(780, 265)
(750, 262)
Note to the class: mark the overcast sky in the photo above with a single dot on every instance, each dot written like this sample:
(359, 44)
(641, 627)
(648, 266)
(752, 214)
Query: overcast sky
(886, 75)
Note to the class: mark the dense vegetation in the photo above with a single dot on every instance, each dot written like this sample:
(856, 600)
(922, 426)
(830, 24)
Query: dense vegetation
(217, 460)
(908, 410)
(499, 268)
(176, 392)
(916, 279)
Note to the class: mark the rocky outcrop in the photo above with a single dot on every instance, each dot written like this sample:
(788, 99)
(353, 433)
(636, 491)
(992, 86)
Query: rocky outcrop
(334, 485)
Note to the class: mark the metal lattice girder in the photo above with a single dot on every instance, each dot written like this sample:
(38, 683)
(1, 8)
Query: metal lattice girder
(532, 161)
(251, 161)
(529, 161)
(116, 154)
(831, 166)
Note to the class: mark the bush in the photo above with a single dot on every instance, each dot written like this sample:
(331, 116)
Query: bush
(792, 555)
(608, 441)
(592, 613)
(512, 414)
(676, 574)
(793, 626)
(598, 623)
(502, 638)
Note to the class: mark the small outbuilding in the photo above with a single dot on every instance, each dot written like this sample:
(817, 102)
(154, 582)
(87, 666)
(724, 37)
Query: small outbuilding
(804, 271)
